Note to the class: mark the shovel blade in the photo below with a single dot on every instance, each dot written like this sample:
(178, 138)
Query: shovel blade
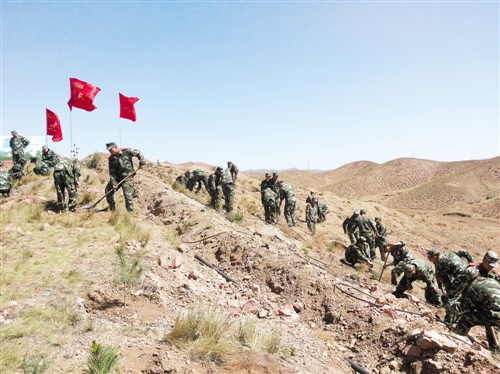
(91, 206)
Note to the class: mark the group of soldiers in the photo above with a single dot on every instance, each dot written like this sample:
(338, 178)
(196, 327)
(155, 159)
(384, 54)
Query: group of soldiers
(218, 184)
(469, 291)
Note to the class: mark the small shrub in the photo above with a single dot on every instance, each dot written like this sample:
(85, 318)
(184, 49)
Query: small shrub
(129, 271)
(93, 161)
(331, 247)
(235, 217)
(34, 365)
(102, 360)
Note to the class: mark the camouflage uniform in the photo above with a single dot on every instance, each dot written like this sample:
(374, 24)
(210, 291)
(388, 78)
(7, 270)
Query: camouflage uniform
(322, 209)
(365, 226)
(50, 158)
(270, 208)
(401, 256)
(16, 171)
(286, 193)
(350, 226)
(450, 270)
(480, 306)
(17, 145)
(234, 170)
(215, 190)
(227, 184)
(483, 272)
(263, 185)
(423, 271)
(312, 216)
(381, 239)
(5, 183)
(120, 165)
(41, 168)
(66, 175)
(182, 180)
(354, 253)
(197, 176)
(274, 186)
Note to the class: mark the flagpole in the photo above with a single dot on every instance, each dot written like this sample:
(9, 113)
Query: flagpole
(70, 135)
(120, 126)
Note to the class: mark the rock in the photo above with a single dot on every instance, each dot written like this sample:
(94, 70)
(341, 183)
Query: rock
(390, 298)
(434, 365)
(263, 313)
(298, 307)
(389, 311)
(285, 312)
(385, 370)
(251, 306)
(163, 262)
(393, 365)
(412, 350)
(176, 263)
(381, 300)
(193, 274)
(432, 339)
(182, 248)
(414, 299)
(374, 289)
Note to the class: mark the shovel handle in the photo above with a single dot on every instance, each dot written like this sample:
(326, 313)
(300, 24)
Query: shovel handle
(111, 190)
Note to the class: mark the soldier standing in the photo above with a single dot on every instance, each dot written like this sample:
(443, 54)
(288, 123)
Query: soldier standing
(366, 226)
(17, 144)
(120, 166)
(41, 168)
(214, 188)
(350, 226)
(401, 256)
(381, 239)
(421, 270)
(358, 253)
(276, 189)
(49, 157)
(234, 170)
(227, 184)
(66, 175)
(286, 193)
(312, 214)
(480, 306)
(270, 208)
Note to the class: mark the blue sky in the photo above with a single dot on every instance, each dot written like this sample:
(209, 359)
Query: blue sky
(266, 84)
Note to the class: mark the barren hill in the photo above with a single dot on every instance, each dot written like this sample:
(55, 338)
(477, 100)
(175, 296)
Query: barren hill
(293, 306)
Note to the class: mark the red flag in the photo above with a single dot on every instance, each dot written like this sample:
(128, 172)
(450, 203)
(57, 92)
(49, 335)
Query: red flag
(127, 109)
(54, 126)
(82, 95)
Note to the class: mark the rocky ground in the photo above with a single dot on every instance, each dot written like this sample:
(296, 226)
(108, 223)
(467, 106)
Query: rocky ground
(327, 314)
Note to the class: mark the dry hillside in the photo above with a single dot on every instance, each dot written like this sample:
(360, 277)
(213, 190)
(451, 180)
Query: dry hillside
(291, 306)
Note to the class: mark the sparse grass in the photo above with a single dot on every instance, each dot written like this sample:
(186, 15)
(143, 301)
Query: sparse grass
(35, 211)
(27, 253)
(254, 336)
(173, 237)
(249, 205)
(129, 270)
(34, 365)
(134, 332)
(86, 198)
(93, 161)
(102, 360)
(331, 247)
(235, 217)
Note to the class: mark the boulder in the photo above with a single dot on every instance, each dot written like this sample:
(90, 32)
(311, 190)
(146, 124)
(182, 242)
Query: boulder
(432, 339)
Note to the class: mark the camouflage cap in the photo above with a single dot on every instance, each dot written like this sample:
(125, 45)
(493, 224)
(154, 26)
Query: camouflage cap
(275, 175)
(492, 258)
(432, 252)
(268, 175)
(229, 163)
(110, 145)
(33, 159)
(410, 269)
(362, 211)
(377, 218)
(355, 213)
(471, 273)
(219, 168)
(13, 132)
(44, 148)
(280, 181)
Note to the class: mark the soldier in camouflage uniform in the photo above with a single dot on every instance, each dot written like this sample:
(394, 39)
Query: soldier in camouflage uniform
(266, 183)
(366, 226)
(310, 197)
(358, 252)
(274, 186)
(286, 193)
(214, 188)
(322, 210)
(480, 306)
(120, 166)
(196, 176)
(49, 157)
(401, 256)
(270, 207)
(16, 172)
(5, 183)
(17, 144)
(421, 270)
(227, 184)
(312, 214)
(66, 175)
(381, 239)
(182, 180)
(488, 267)
(234, 170)
(41, 167)
(350, 226)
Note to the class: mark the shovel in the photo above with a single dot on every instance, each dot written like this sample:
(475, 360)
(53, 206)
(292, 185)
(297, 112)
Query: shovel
(91, 206)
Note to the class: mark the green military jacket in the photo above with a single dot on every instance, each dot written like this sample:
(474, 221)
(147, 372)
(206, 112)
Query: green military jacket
(71, 167)
(197, 175)
(483, 294)
(41, 168)
(268, 195)
(266, 184)
(425, 273)
(311, 213)
(381, 230)
(401, 253)
(350, 224)
(355, 254)
(5, 181)
(448, 268)
(214, 183)
(16, 171)
(181, 179)
(18, 144)
(226, 177)
(286, 193)
(120, 165)
(50, 158)
(366, 225)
